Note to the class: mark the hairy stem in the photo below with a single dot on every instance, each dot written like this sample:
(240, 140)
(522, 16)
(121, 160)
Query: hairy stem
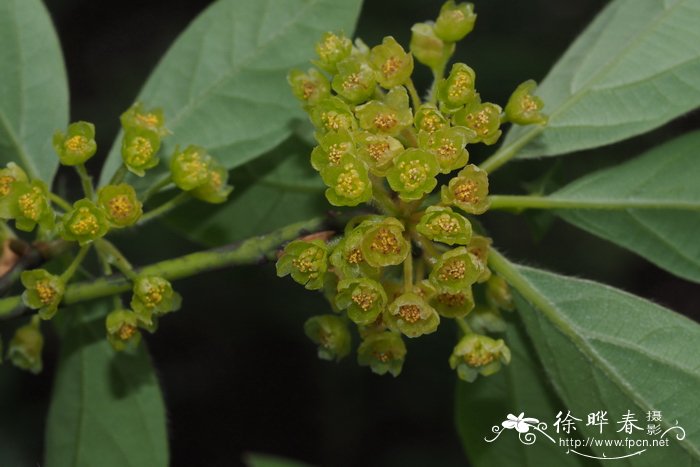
(86, 181)
(506, 153)
(545, 202)
(164, 208)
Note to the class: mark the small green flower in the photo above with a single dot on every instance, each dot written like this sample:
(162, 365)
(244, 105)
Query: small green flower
(11, 175)
(475, 354)
(484, 119)
(486, 319)
(479, 247)
(384, 352)
(331, 149)
(455, 21)
(24, 350)
(310, 87)
(153, 297)
(498, 294)
(457, 89)
(428, 48)
(84, 223)
(355, 81)
(331, 335)
(454, 305)
(305, 261)
(455, 271)
(387, 116)
(77, 145)
(413, 174)
(32, 206)
(468, 190)
(429, 119)
(332, 114)
(523, 108)
(215, 188)
(411, 315)
(364, 299)
(43, 292)
(120, 204)
(448, 146)
(122, 329)
(348, 184)
(392, 64)
(331, 49)
(347, 257)
(378, 151)
(383, 243)
(139, 150)
(442, 224)
(190, 167)
(138, 118)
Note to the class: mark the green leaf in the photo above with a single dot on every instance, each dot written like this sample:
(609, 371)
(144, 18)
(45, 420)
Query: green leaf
(266, 460)
(518, 387)
(223, 83)
(633, 69)
(33, 88)
(604, 349)
(271, 192)
(665, 177)
(106, 408)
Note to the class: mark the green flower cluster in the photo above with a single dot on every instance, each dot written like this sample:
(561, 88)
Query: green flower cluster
(398, 273)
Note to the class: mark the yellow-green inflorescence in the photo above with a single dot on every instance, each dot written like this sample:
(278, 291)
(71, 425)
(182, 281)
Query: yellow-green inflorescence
(418, 260)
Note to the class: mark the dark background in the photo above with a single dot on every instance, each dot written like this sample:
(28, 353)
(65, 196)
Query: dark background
(238, 374)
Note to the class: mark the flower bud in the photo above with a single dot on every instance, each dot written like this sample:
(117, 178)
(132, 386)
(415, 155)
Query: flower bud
(411, 315)
(448, 146)
(24, 350)
(348, 183)
(10, 177)
(392, 64)
(413, 174)
(153, 297)
(383, 243)
(355, 81)
(468, 190)
(484, 119)
(332, 147)
(523, 108)
(122, 329)
(455, 271)
(457, 89)
(77, 145)
(428, 48)
(215, 188)
(454, 305)
(84, 223)
(442, 224)
(429, 119)
(383, 352)
(389, 116)
(479, 247)
(364, 299)
(138, 118)
(120, 204)
(305, 261)
(310, 87)
(476, 354)
(43, 292)
(139, 150)
(332, 114)
(486, 319)
(378, 151)
(455, 21)
(32, 206)
(498, 293)
(331, 49)
(331, 335)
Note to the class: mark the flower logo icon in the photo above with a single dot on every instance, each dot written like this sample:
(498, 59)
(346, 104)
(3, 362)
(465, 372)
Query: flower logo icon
(520, 423)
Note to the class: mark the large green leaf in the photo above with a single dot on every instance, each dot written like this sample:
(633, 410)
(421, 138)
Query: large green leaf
(107, 408)
(662, 179)
(518, 387)
(223, 83)
(33, 87)
(633, 69)
(271, 192)
(608, 350)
